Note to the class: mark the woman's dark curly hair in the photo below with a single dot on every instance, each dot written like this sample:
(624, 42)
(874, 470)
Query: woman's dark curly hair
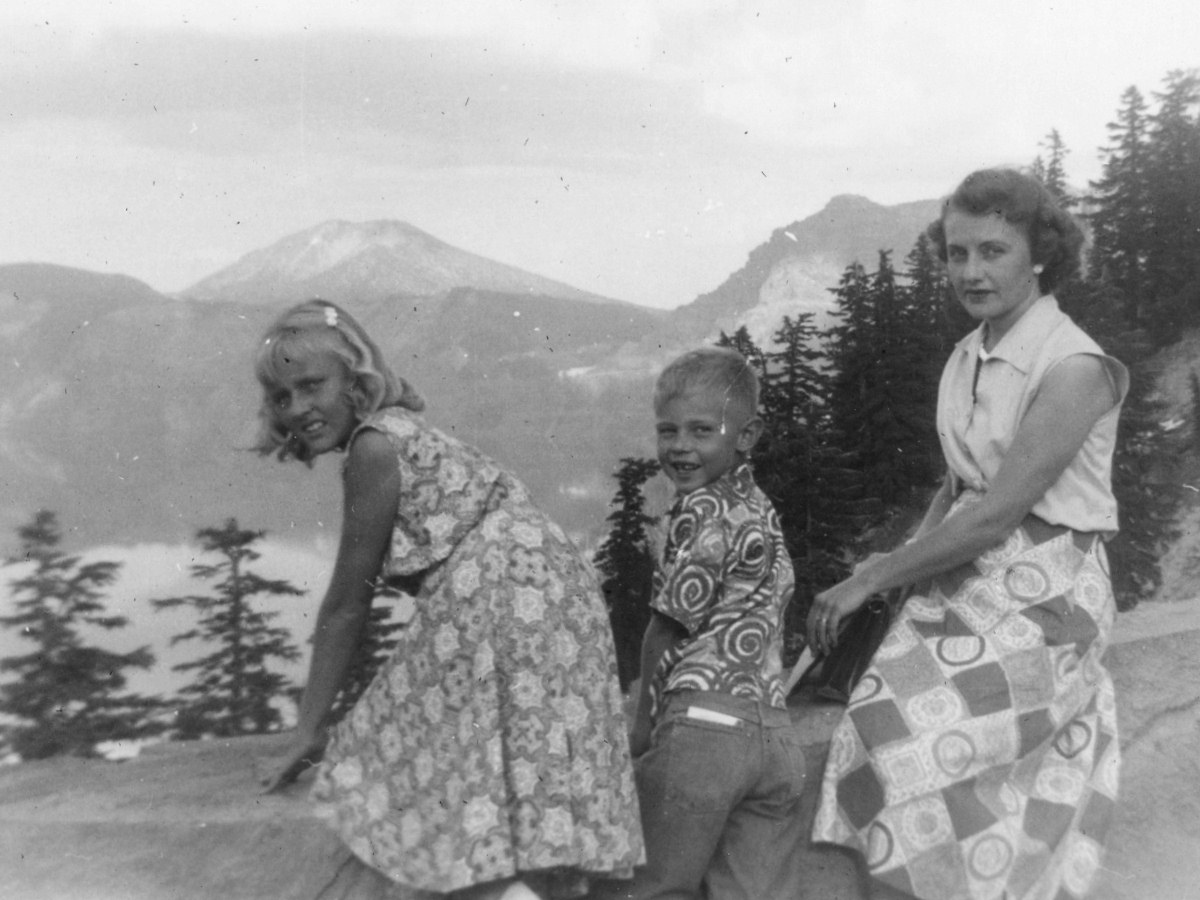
(1055, 239)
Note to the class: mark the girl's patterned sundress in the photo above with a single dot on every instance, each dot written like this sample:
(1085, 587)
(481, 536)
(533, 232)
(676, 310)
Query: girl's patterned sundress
(493, 741)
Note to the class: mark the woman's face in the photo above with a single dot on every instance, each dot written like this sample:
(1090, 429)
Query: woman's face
(990, 267)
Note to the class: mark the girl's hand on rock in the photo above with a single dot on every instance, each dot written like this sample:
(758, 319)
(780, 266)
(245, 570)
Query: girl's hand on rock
(303, 753)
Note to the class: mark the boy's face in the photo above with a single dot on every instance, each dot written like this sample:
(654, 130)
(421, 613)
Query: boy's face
(701, 436)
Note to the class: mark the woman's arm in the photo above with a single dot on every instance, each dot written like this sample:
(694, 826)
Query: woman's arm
(1072, 398)
(372, 490)
(938, 507)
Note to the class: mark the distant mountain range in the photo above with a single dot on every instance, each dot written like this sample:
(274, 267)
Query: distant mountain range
(128, 411)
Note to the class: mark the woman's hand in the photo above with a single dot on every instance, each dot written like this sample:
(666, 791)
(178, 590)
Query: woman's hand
(303, 753)
(830, 607)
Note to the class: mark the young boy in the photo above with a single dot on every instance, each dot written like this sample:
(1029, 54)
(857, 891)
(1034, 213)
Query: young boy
(719, 767)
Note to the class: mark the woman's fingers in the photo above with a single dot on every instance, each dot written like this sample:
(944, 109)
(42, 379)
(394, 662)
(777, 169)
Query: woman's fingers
(831, 630)
(822, 626)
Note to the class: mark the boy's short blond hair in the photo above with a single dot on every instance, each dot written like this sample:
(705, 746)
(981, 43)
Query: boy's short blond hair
(720, 369)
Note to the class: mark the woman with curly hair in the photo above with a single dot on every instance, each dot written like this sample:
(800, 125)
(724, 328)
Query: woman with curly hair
(978, 756)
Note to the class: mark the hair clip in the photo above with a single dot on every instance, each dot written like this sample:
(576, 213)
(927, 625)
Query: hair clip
(331, 317)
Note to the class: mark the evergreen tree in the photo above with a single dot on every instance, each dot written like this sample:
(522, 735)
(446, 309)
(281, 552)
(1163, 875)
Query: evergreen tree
(815, 485)
(828, 505)
(234, 690)
(1147, 502)
(1128, 305)
(626, 563)
(1052, 172)
(744, 344)
(1148, 505)
(1121, 206)
(792, 378)
(935, 322)
(794, 388)
(69, 695)
(1172, 272)
(373, 651)
(881, 400)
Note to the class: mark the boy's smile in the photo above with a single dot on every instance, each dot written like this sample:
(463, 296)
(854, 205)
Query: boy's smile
(701, 436)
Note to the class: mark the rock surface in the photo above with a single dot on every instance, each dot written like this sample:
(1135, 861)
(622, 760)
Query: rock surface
(187, 822)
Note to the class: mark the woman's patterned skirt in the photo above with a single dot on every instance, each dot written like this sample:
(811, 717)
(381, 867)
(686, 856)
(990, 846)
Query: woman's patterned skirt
(978, 757)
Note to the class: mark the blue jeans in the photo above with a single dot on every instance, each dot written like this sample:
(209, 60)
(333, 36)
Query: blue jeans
(719, 790)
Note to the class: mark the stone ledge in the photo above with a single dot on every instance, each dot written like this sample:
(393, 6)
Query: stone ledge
(186, 821)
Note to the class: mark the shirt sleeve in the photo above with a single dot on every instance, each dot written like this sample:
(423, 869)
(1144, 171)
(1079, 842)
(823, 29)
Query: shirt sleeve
(694, 575)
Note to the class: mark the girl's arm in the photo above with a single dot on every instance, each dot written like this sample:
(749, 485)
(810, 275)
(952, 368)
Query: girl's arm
(1073, 397)
(372, 490)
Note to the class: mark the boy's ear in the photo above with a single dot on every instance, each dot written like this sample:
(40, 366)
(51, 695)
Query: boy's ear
(750, 434)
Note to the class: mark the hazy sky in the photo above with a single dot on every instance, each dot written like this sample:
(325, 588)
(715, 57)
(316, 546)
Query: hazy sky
(636, 149)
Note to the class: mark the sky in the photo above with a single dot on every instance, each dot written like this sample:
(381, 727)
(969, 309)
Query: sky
(639, 150)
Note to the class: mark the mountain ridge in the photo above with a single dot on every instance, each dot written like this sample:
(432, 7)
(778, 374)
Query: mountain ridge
(127, 411)
(373, 260)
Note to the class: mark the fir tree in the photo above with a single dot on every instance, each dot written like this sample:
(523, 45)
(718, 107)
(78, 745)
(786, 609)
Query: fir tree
(1148, 505)
(935, 322)
(234, 690)
(829, 505)
(626, 564)
(744, 344)
(816, 486)
(1172, 272)
(69, 695)
(1121, 207)
(880, 401)
(792, 378)
(376, 646)
(1052, 172)
(1147, 502)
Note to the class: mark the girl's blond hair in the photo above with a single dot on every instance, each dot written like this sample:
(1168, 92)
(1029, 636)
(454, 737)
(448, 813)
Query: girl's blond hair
(318, 326)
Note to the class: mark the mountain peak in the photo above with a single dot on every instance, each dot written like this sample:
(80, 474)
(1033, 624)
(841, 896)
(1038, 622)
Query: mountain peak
(307, 254)
(850, 203)
(383, 258)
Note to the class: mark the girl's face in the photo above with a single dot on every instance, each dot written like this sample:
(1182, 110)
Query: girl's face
(990, 267)
(312, 400)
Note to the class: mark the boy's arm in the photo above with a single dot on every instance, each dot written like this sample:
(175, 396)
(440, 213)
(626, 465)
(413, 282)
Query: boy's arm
(662, 633)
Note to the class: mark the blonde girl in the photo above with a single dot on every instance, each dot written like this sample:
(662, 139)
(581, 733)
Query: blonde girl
(488, 757)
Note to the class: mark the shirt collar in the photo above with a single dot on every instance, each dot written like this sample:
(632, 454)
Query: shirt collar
(738, 481)
(1020, 346)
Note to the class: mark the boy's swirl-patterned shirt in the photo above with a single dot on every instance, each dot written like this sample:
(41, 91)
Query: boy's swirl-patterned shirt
(726, 578)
